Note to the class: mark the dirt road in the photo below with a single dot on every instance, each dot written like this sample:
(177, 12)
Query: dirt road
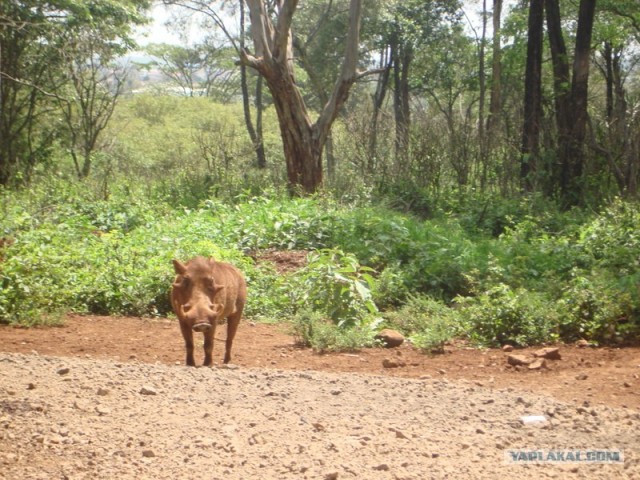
(72, 408)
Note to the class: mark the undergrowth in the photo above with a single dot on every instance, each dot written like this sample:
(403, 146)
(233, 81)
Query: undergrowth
(491, 274)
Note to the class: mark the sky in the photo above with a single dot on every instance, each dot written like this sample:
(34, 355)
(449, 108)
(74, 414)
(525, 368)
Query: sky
(158, 32)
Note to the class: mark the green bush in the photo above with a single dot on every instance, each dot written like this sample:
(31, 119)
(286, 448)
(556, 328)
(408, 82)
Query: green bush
(429, 323)
(600, 308)
(78, 246)
(612, 239)
(502, 315)
(313, 329)
(337, 286)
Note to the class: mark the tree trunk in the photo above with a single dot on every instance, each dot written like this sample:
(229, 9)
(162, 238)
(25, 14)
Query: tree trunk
(402, 58)
(532, 96)
(572, 151)
(378, 100)
(495, 103)
(302, 140)
(256, 139)
(482, 78)
(561, 83)
(261, 156)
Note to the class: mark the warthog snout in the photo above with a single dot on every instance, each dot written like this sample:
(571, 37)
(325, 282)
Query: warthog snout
(201, 327)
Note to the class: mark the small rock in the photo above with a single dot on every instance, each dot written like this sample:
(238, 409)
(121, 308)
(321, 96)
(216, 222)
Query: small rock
(331, 476)
(103, 410)
(582, 343)
(231, 366)
(62, 371)
(31, 386)
(148, 453)
(318, 427)
(533, 420)
(517, 360)
(399, 433)
(582, 376)
(102, 392)
(550, 353)
(627, 384)
(507, 348)
(390, 338)
(148, 391)
(392, 363)
(383, 467)
(538, 364)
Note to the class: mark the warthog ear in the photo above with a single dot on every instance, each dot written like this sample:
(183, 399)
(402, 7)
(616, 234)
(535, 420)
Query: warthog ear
(179, 267)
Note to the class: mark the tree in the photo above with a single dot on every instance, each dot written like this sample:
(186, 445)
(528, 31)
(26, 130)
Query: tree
(24, 64)
(532, 95)
(255, 132)
(571, 103)
(448, 75)
(199, 70)
(495, 102)
(411, 24)
(34, 56)
(273, 58)
(617, 36)
(303, 140)
(92, 92)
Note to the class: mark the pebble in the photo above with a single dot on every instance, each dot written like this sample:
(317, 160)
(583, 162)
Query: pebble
(146, 390)
(102, 410)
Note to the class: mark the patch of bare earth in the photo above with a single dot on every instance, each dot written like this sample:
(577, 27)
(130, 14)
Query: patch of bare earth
(109, 397)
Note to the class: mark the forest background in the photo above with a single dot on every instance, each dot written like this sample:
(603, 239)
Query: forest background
(447, 179)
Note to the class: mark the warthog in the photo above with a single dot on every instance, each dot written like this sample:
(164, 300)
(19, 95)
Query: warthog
(204, 293)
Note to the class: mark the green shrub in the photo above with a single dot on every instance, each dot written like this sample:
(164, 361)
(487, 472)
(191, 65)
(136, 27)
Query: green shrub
(337, 286)
(313, 329)
(429, 323)
(503, 315)
(600, 308)
(612, 239)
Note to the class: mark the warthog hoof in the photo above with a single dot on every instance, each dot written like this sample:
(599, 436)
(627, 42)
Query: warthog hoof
(201, 327)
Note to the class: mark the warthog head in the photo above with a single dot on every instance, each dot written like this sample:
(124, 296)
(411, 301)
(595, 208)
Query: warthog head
(194, 293)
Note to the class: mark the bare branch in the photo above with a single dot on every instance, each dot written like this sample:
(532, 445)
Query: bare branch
(282, 42)
(347, 77)
(261, 29)
(26, 83)
(375, 71)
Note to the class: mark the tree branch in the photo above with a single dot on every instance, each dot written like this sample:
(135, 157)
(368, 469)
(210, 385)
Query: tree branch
(347, 77)
(282, 41)
(261, 29)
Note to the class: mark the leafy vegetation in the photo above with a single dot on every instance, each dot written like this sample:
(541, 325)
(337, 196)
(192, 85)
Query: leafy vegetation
(555, 276)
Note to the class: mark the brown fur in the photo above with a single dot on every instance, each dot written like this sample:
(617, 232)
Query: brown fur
(204, 294)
